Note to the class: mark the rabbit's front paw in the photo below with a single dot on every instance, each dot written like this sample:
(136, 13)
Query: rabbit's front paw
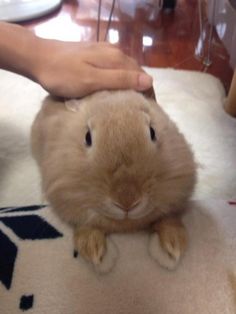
(168, 243)
(109, 259)
(93, 246)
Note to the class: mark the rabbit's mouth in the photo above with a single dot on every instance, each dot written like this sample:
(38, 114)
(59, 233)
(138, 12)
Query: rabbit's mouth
(138, 210)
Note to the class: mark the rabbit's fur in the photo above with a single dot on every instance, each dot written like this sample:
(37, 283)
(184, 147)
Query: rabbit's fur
(126, 177)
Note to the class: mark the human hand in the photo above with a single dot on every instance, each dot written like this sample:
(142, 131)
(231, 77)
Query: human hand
(76, 69)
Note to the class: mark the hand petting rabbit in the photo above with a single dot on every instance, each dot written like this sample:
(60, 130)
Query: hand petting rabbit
(115, 162)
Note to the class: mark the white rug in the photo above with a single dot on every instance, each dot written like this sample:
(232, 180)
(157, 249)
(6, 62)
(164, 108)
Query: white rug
(38, 272)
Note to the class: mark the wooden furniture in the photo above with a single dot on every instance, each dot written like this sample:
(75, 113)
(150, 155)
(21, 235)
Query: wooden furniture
(230, 105)
(169, 40)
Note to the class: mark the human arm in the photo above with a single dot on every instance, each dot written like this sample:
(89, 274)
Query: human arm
(68, 69)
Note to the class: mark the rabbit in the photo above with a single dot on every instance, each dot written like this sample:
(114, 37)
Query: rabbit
(114, 162)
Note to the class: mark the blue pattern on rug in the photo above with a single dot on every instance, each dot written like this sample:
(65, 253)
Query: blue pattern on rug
(8, 253)
(26, 302)
(26, 225)
(31, 227)
(21, 209)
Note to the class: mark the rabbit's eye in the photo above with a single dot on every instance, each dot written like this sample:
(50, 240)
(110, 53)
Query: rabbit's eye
(152, 134)
(88, 138)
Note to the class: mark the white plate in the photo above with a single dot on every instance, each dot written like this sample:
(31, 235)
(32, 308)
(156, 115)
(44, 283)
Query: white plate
(22, 10)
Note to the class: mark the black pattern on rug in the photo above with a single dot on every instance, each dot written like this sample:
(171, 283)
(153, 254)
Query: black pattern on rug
(24, 224)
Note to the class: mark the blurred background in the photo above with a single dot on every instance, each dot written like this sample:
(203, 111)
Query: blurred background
(183, 34)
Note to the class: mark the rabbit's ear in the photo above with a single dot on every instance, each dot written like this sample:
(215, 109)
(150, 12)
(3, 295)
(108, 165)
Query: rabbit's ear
(73, 104)
(150, 93)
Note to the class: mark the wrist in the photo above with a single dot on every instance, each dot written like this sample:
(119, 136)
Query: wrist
(42, 60)
(16, 48)
(31, 57)
(35, 65)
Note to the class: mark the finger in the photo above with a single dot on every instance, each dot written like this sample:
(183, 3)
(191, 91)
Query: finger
(121, 79)
(93, 44)
(111, 58)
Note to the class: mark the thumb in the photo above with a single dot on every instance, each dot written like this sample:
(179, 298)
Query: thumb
(121, 79)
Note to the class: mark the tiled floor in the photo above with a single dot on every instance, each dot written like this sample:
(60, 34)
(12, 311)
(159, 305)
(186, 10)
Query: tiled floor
(157, 40)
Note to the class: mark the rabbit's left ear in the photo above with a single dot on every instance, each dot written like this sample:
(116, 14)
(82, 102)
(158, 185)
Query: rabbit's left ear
(150, 93)
(72, 104)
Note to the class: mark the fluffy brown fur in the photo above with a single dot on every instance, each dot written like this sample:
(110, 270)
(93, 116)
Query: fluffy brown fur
(99, 186)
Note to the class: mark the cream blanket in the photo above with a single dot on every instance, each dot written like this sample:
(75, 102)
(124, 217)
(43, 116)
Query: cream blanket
(38, 272)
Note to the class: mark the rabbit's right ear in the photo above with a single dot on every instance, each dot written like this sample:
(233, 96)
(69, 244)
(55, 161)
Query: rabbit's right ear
(72, 104)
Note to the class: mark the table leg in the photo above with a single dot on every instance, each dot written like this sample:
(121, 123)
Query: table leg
(230, 105)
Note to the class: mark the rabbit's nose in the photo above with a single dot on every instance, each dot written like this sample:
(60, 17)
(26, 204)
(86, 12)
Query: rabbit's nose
(127, 206)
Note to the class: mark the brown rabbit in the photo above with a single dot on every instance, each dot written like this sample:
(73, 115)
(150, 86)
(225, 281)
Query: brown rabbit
(115, 162)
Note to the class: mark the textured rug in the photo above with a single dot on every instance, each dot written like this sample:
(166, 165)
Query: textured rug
(39, 271)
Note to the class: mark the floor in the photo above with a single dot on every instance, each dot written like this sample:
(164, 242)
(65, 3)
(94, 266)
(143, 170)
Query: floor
(156, 39)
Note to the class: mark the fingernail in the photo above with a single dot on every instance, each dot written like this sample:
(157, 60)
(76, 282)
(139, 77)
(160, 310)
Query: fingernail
(144, 81)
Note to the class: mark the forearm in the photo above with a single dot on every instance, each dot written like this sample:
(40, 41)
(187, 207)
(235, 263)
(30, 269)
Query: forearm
(68, 69)
(18, 48)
